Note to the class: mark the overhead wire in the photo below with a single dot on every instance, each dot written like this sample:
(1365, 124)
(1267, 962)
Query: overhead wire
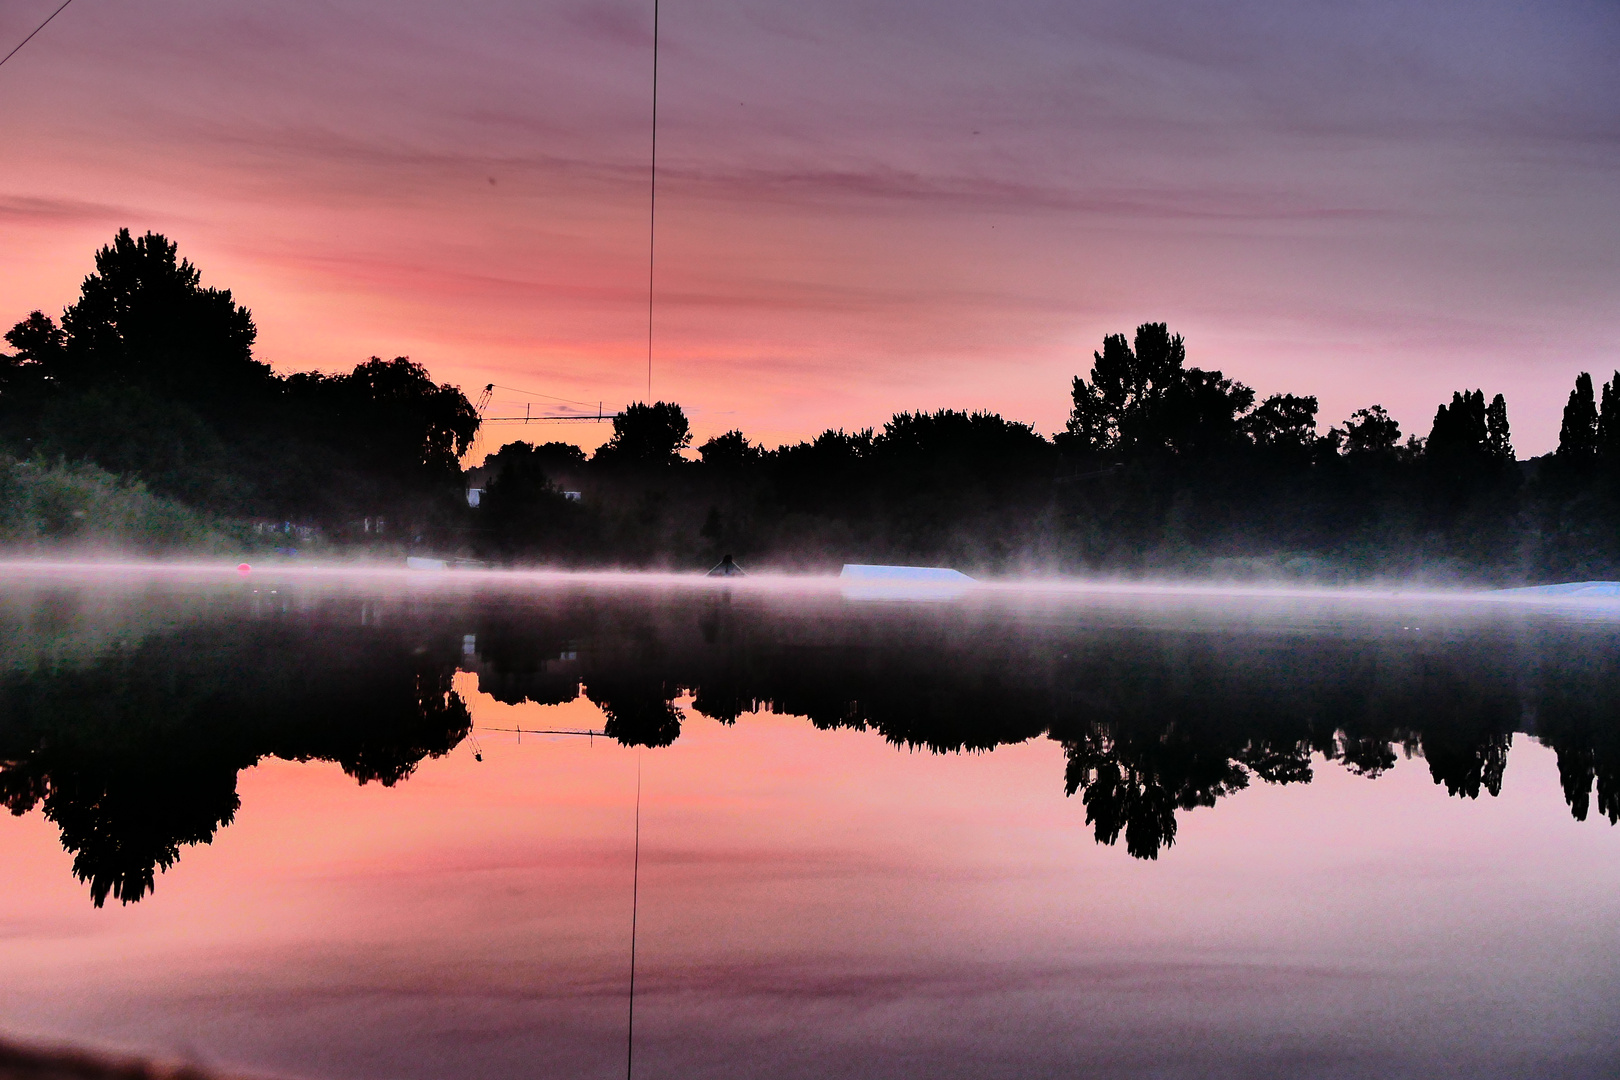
(652, 240)
(547, 731)
(635, 906)
(37, 29)
(548, 397)
(652, 206)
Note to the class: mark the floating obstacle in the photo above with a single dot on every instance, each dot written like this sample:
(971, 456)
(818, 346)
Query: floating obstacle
(1573, 590)
(726, 567)
(864, 581)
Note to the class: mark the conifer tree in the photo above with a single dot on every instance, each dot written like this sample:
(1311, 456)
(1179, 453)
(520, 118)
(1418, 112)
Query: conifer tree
(1608, 429)
(1498, 442)
(1578, 438)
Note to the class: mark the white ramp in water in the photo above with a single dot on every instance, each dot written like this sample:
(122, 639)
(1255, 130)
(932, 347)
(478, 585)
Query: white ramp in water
(862, 581)
(1574, 590)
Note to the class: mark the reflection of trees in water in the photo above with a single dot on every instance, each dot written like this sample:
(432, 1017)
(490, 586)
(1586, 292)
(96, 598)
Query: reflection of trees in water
(134, 754)
(1153, 721)
(638, 712)
(124, 818)
(1139, 793)
(1577, 715)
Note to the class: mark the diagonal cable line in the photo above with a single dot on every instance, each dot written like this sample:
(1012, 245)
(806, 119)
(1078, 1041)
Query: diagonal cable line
(531, 393)
(37, 29)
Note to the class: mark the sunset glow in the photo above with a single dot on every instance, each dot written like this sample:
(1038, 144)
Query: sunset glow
(862, 208)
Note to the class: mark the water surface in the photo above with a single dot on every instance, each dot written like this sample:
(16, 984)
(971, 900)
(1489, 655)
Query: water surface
(309, 826)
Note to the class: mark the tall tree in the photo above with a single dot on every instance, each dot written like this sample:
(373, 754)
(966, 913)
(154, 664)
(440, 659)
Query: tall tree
(1459, 429)
(731, 452)
(647, 436)
(522, 509)
(1119, 410)
(38, 340)
(1284, 422)
(1577, 438)
(148, 374)
(1204, 412)
(39, 343)
(1144, 401)
(144, 317)
(1498, 440)
(1608, 429)
(388, 420)
(1371, 431)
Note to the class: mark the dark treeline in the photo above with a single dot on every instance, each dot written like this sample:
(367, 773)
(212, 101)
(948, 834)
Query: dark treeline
(1161, 466)
(131, 743)
(151, 376)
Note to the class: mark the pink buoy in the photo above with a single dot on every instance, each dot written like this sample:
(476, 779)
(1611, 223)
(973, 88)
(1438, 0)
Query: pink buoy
(244, 569)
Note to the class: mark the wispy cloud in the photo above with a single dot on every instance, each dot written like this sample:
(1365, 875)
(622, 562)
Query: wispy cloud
(37, 209)
(856, 196)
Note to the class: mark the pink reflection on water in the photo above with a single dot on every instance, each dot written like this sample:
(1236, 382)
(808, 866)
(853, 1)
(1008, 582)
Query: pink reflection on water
(819, 903)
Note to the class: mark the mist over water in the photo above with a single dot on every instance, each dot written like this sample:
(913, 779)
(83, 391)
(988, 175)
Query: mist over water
(322, 821)
(111, 568)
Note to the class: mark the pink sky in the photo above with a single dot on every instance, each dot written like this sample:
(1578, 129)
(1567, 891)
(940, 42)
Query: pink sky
(863, 207)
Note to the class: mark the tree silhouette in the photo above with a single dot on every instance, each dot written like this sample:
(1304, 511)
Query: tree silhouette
(647, 436)
(1608, 426)
(1371, 431)
(731, 453)
(1119, 412)
(1284, 422)
(1161, 466)
(1203, 413)
(1143, 401)
(143, 317)
(1498, 440)
(39, 342)
(152, 375)
(1577, 438)
(1459, 429)
(522, 509)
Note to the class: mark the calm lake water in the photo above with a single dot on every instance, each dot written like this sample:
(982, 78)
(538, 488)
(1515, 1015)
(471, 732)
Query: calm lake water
(330, 827)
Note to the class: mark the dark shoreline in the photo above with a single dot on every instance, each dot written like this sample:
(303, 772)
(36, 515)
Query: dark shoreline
(25, 1061)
